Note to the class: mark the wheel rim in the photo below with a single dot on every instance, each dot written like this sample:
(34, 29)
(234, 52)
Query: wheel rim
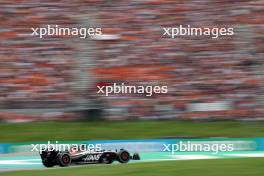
(124, 156)
(66, 159)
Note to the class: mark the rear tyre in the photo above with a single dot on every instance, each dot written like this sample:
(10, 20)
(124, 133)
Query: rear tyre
(123, 156)
(64, 159)
(47, 163)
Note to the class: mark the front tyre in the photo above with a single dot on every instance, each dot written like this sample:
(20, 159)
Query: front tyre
(123, 156)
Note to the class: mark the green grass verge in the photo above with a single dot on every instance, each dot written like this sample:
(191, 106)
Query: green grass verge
(43, 131)
(234, 167)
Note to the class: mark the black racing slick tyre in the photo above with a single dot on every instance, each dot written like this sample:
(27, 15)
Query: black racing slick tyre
(64, 159)
(47, 163)
(123, 156)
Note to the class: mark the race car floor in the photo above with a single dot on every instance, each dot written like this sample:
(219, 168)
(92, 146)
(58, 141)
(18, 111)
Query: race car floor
(8, 163)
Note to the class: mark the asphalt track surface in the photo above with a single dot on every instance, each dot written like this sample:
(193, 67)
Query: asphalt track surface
(9, 163)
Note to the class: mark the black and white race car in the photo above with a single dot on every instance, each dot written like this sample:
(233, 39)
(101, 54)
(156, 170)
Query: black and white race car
(66, 158)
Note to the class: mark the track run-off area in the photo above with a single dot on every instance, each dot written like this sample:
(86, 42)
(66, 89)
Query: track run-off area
(8, 163)
(19, 156)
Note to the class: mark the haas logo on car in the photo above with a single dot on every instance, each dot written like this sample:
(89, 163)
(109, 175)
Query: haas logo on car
(92, 157)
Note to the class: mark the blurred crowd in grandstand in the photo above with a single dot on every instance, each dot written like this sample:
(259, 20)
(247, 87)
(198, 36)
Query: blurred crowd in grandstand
(225, 74)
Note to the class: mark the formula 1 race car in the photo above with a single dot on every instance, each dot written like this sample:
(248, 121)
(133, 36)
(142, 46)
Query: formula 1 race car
(66, 158)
